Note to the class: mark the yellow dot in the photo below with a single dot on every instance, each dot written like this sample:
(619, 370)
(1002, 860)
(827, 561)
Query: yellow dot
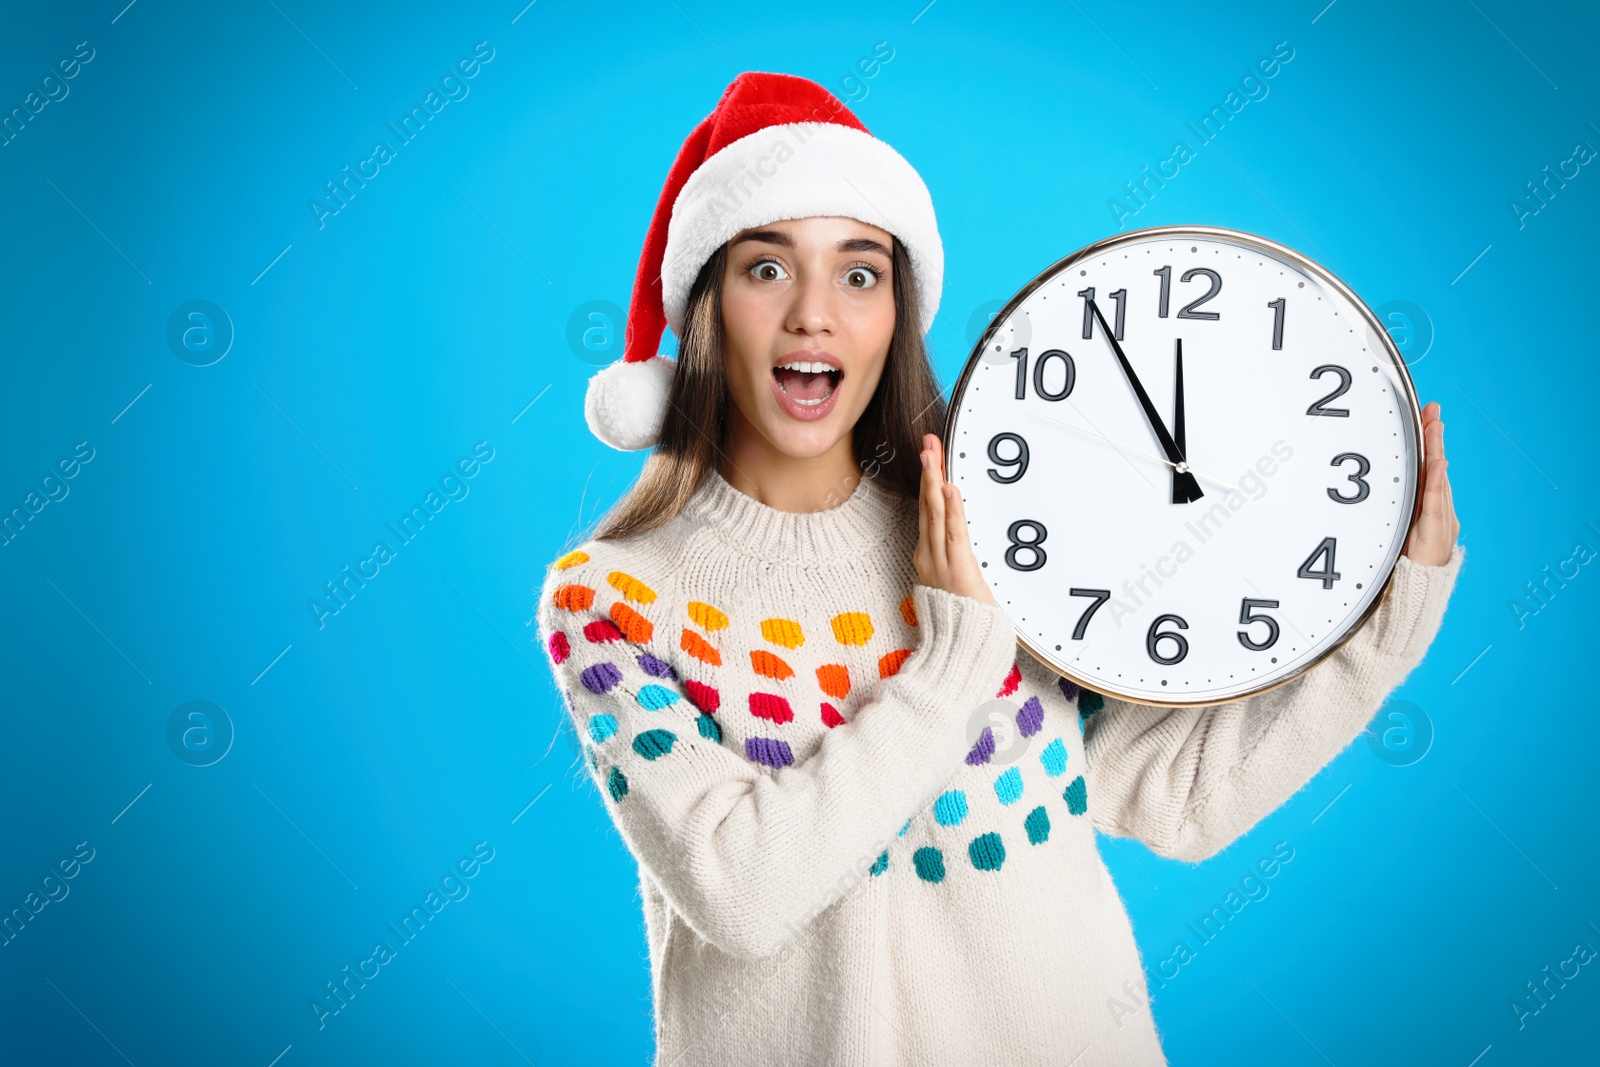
(785, 632)
(852, 628)
(707, 617)
(631, 588)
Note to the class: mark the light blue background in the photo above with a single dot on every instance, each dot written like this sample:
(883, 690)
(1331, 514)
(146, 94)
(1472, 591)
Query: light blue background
(432, 309)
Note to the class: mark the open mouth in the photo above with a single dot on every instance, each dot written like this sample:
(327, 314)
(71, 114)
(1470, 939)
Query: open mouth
(808, 384)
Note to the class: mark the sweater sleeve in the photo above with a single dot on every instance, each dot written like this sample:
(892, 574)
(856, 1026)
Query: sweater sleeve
(1190, 781)
(748, 856)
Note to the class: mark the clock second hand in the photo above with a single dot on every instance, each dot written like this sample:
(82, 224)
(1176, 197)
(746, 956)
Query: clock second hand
(1135, 451)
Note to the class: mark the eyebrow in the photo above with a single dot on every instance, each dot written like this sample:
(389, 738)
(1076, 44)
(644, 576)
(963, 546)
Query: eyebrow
(778, 237)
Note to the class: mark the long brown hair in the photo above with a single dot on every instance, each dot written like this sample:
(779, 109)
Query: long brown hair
(886, 439)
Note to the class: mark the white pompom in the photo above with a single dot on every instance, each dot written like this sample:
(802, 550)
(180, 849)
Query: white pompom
(626, 402)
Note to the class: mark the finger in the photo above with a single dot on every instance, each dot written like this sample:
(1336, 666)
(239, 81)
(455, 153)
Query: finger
(1452, 521)
(1432, 440)
(955, 526)
(1423, 534)
(962, 562)
(1450, 506)
(923, 504)
(1431, 526)
(936, 511)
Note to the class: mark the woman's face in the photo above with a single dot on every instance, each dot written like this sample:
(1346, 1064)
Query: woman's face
(807, 315)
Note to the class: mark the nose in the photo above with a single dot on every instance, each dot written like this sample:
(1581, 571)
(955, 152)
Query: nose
(811, 309)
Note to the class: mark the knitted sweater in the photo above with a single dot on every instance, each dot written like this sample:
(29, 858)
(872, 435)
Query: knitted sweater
(842, 861)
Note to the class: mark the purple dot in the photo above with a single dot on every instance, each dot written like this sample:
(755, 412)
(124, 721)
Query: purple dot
(1068, 689)
(768, 751)
(601, 677)
(1030, 717)
(983, 751)
(655, 667)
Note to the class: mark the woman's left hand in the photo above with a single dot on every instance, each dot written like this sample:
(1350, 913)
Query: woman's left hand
(1434, 535)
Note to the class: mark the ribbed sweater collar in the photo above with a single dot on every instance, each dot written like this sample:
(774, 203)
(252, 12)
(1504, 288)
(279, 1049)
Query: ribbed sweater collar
(861, 522)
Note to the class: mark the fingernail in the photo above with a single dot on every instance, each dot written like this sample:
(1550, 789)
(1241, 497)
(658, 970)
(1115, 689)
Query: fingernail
(949, 491)
(924, 461)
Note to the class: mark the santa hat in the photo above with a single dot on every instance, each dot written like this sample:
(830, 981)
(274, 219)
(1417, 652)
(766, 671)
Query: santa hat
(776, 147)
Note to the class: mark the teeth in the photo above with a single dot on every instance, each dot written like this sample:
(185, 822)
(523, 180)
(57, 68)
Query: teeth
(803, 402)
(807, 368)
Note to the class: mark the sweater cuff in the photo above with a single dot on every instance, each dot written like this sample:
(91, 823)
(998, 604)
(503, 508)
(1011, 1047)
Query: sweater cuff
(966, 647)
(1414, 605)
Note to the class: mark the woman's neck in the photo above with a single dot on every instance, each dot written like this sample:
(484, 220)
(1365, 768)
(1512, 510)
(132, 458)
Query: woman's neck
(753, 466)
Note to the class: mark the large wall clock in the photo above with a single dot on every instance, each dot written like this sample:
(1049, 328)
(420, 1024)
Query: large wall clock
(1190, 458)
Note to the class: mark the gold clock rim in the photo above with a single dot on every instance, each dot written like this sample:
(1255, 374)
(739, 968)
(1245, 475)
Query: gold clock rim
(1322, 273)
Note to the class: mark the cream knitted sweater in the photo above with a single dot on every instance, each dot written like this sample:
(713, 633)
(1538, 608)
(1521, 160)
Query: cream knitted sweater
(840, 862)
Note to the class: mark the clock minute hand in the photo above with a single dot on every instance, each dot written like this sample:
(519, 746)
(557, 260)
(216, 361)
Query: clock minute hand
(1177, 408)
(1184, 486)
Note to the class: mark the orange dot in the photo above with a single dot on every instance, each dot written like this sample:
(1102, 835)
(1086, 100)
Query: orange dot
(573, 597)
(572, 559)
(706, 617)
(631, 587)
(890, 663)
(699, 648)
(634, 627)
(785, 632)
(834, 678)
(853, 628)
(769, 666)
(909, 610)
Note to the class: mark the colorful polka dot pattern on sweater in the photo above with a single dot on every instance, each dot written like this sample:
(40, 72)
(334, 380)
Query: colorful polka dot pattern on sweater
(794, 684)
(867, 831)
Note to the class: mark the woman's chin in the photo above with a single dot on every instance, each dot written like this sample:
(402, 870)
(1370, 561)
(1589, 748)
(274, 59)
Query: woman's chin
(804, 439)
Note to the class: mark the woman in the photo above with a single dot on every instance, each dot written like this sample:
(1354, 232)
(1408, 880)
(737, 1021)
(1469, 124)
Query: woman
(774, 665)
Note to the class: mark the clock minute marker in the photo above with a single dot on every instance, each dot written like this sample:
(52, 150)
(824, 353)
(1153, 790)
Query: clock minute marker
(1184, 486)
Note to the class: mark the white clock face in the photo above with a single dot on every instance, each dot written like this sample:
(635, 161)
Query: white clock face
(1215, 537)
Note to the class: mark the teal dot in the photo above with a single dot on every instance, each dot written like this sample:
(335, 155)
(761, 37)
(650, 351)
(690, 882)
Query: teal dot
(881, 865)
(1054, 758)
(929, 863)
(950, 808)
(602, 727)
(708, 728)
(653, 744)
(988, 852)
(1077, 796)
(1090, 702)
(656, 697)
(617, 784)
(593, 757)
(1008, 787)
(904, 828)
(1038, 826)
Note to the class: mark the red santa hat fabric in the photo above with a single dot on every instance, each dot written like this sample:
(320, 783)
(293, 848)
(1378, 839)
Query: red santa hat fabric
(776, 147)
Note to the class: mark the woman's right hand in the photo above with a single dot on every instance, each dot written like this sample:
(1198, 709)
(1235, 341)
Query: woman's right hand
(944, 558)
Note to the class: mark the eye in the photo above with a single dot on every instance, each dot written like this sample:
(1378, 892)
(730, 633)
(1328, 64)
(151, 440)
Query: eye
(862, 276)
(767, 270)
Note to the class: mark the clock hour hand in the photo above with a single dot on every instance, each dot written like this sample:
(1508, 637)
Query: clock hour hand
(1185, 487)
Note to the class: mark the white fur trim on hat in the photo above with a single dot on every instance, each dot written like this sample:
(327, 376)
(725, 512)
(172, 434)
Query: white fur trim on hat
(626, 402)
(795, 171)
